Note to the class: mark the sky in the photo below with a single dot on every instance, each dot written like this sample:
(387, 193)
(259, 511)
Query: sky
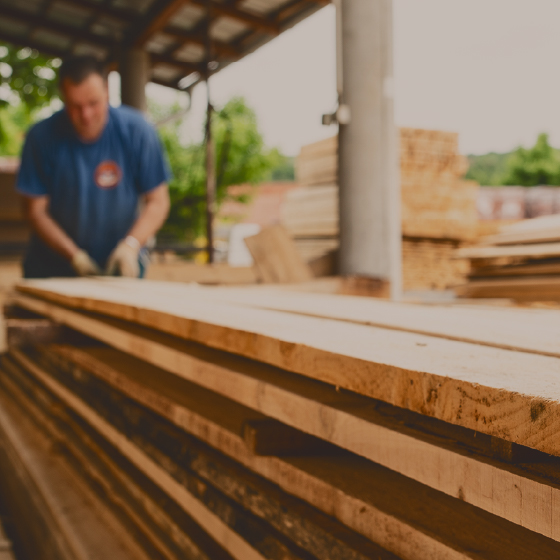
(487, 69)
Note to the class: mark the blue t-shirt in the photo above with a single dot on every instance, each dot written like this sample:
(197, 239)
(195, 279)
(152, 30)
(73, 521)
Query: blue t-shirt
(93, 188)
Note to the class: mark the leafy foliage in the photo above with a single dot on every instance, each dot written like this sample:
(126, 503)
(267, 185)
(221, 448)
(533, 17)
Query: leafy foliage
(27, 77)
(241, 158)
(539, 165)
(14, 122)
(488, 169)
(27, 84)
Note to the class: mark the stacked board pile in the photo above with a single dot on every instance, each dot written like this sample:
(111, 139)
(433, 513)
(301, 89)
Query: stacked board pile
(14, 231)
(259, 424)
(521, 262)
(439, 211)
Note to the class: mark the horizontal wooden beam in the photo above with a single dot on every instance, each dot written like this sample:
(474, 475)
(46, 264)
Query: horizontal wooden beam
(218, 9)
(155, 19)
(187, 37)
(187, 67)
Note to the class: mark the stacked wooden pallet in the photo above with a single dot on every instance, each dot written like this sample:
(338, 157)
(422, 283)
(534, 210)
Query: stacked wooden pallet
(521, 262)
(438, 207)
(254, 423)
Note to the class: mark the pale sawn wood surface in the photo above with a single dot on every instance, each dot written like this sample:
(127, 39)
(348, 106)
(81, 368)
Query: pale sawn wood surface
(512, 395)
(361, 495)
(322, 412)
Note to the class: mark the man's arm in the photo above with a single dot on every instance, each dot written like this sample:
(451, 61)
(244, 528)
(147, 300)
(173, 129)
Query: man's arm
(124, 259)
(156, 209)
(37, 213)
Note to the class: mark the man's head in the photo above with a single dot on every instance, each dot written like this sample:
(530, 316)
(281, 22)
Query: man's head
(83, 85)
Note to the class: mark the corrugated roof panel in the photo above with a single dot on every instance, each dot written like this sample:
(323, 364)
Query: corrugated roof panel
(108, 26)
(166, 73)
(187, 17)
(160, 43)
(262, 7)
(13, 27)
(227, 29)
(69, 14)
(31, 6)
(190, 53)
(83, 48)
(136, 5)
(52, 39)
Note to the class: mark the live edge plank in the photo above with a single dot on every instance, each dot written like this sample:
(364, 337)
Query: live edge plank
(511, 395)
(404, 517)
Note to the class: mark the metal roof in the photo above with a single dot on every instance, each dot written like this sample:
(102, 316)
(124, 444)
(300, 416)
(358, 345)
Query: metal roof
(173, 31)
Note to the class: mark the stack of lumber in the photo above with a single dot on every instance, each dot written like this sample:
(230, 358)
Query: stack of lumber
(256, 423)
(439, 211)
(317, 163)
(521, 262)
(14, 231)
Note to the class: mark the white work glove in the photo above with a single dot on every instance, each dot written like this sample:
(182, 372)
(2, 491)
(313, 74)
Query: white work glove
(84, 265)
(123, 261)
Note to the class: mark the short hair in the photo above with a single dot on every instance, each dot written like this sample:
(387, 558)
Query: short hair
(77, 68)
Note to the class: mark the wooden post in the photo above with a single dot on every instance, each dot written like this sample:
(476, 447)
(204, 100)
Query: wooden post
(210, 180)
(134, 71)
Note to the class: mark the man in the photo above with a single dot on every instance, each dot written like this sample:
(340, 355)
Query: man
(83, 172)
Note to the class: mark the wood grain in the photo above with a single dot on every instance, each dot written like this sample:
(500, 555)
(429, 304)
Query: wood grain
(511, 395)
(498, 328)
(406, 518)
(276, 257)
(341, 420)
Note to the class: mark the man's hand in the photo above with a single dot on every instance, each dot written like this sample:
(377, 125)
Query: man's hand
(123, 261)
(84, 265)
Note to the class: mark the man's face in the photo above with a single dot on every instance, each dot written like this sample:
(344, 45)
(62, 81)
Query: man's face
(87, 105)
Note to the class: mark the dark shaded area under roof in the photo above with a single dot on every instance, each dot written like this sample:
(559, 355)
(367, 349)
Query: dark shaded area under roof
(173, 31)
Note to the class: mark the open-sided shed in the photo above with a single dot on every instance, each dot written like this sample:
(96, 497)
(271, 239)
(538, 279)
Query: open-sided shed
(172, 32)
(177, 43)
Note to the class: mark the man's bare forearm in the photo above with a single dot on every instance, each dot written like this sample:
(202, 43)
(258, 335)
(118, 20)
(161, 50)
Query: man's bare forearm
(153, 215)
(47, 229)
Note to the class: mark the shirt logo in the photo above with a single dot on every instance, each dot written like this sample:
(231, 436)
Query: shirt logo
(107, 175)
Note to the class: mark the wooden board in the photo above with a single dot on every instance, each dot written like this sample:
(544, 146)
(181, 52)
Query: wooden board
(529, 269)
(491, 390)
(491, 327)
(155, 522)
(345, 422)
(534, 288)
(211, 523)
(537, 230)
(276, 257)
(269, 519)
(538, 250)
(56, 515)
(201, 274)
(381, 505)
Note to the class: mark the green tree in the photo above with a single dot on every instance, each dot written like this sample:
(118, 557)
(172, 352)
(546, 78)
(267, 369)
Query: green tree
(241, 158)
(539, 165)
(27, 84)
(488, 169)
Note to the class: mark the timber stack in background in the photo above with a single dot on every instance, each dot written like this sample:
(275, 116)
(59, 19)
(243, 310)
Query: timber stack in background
(439, 208)
(14, 230)
(521, 262)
